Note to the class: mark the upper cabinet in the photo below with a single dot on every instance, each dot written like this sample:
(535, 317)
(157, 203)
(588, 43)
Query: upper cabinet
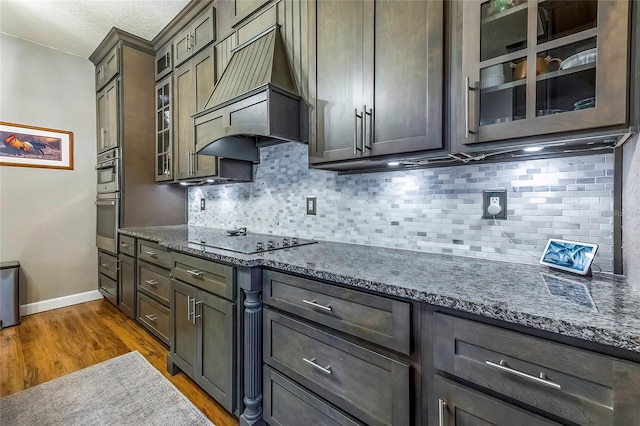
(108, 67)
(377, 84)
(164, 61)
(108, 116)
(198, 34)
(538, 67)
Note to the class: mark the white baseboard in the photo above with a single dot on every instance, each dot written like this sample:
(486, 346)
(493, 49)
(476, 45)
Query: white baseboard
(59, 302)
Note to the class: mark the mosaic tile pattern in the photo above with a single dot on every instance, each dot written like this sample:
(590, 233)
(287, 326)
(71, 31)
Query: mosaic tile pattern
(431, 210)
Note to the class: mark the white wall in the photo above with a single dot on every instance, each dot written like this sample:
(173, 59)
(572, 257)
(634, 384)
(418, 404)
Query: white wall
(47, 216)
(631, 211)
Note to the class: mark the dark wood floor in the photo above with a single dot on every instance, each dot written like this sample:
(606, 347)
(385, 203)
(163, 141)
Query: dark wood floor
(52, 344)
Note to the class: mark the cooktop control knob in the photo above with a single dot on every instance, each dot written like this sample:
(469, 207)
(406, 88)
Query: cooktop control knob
(270, 245)
(285, 242)
(259, 246)
(294, 241)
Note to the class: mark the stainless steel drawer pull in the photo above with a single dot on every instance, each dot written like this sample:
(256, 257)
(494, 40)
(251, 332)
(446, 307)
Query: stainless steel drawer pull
(313, 362)
(152, 318)
(540, 380)
(152, 283)
(151, 253)
(317, 305)
(442, 404)
(194, 272)
(125, 245)
(105, 265)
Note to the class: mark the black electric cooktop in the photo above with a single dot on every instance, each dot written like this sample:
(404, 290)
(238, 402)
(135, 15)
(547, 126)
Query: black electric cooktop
(240, 241)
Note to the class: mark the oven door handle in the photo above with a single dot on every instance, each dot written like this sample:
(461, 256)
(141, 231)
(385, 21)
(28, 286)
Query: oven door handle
(106, 165)
(105, 202)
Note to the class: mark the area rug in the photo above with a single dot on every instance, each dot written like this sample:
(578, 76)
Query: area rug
(126, 390)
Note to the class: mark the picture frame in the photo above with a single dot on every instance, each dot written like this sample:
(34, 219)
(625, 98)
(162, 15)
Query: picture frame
(30, 146)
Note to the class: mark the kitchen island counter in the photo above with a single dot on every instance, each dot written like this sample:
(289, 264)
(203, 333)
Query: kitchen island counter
(603, 309)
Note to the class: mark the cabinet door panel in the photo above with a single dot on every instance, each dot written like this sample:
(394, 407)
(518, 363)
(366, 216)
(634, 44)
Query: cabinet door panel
(204, 72)
(339, 46)
(184, 96)
(405, 78)
(466, 407)
(216, 347)
(127, 285)
(183, 329)
(111, 136)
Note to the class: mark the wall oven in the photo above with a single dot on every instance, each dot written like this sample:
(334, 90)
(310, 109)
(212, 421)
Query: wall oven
(107, 220)
(108, 171)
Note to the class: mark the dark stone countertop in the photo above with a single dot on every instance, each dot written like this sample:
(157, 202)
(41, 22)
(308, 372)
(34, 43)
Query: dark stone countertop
(604, 309)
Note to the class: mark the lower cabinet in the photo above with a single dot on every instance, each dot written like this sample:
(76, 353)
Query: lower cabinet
(204, 344)
(455, 405)
(554, 380)
(155, 317)
(127, 285)
(108, 276)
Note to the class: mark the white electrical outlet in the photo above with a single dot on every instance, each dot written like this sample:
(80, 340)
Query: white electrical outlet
(494, 204)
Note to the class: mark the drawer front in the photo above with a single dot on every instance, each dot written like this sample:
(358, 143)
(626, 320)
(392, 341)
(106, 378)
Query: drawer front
(572, 383)
(154, 317)
(108, 288)
(154, 253)
(108, 265)
(128, 245)
(377, 319)
(155, 282)
(367, 385)
(210, 276)
(286, 403)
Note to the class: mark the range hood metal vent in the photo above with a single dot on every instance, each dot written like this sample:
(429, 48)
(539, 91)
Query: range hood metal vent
(255, 103)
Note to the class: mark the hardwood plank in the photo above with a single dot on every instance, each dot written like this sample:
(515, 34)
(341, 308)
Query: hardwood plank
(52, 344)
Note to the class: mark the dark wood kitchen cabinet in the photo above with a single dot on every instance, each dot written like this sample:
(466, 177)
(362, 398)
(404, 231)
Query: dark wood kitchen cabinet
(164, 130)
(108, 67)
(127, 285)
(193, 83)
(351, 354)
(164, 61)
(108, 116)
(537, 68)
(556, 381)
(203, 344)
(200, 32)
(377, 81)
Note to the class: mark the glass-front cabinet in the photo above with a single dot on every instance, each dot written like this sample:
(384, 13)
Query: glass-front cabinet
(164, 167)
(538, 67)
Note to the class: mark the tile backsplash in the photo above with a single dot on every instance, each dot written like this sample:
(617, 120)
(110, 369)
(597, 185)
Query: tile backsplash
(432, 210)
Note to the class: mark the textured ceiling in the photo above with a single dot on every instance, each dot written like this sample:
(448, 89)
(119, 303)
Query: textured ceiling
(78, 26)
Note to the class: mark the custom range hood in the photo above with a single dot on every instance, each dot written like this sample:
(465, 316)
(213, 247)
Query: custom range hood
(255, 103)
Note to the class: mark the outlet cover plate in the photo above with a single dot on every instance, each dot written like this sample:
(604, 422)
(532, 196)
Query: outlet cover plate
(486, 197)
(311, 205)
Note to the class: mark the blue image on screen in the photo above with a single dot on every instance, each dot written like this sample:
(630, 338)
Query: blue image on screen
(569, 255)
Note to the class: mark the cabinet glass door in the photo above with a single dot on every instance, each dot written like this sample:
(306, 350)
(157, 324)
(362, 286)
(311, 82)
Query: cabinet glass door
(163, 131)
(536, 67)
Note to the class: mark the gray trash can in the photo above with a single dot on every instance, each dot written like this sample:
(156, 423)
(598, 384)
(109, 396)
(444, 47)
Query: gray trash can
(9, 294)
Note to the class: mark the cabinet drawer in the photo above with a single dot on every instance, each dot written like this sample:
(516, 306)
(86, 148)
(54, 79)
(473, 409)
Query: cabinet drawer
(377, 319)
(128, 245)
(154, 317)
(286, 403)
(571, 383)
(213, 277)
(108, 265)
(367, 385)
(108, 288)
(155, 282)
(154, 253)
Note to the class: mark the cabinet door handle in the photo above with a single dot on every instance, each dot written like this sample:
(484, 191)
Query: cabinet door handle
(102, 132)
(313, 362)
(542, 380)
(166, 59)
(441, 406)
(195, 304)
(355, 131)
(151, 318)
(152, 253)
(188, 308)
(317, 305)
(194, 272)
(364, 114)
(192, 40)
(152, 283)
(188, 41)
(467, 89)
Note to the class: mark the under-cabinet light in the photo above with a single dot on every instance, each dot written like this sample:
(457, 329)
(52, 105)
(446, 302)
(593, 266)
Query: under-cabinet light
(393, 163)
(533, 149)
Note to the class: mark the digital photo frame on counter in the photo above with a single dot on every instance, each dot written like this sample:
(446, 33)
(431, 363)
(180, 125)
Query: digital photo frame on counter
(569, 256)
